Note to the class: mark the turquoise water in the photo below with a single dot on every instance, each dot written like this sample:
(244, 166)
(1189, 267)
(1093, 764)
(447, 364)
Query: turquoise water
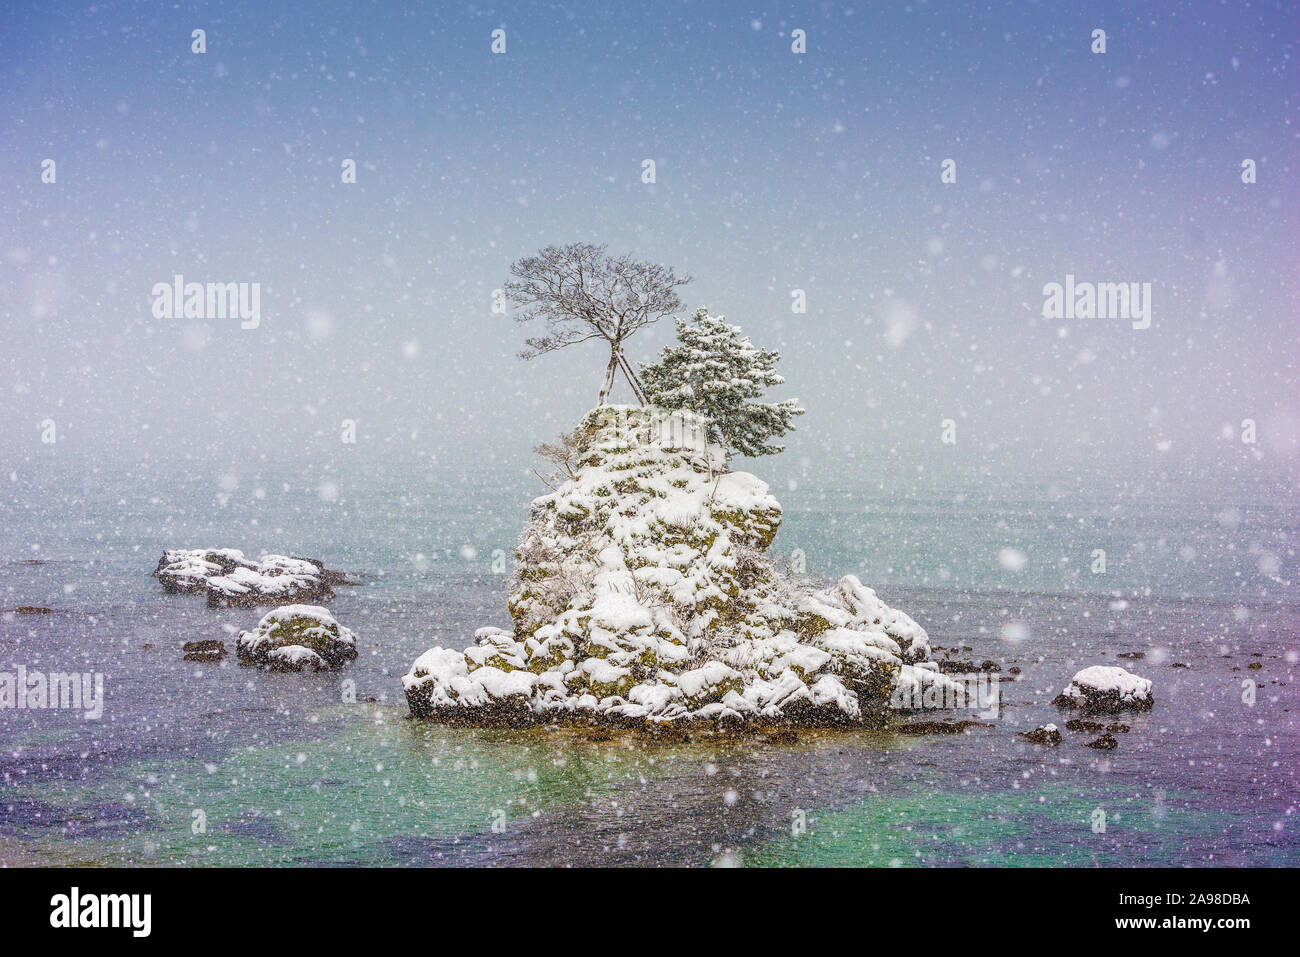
(218, 764)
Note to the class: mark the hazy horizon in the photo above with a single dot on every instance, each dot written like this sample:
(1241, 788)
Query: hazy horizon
(775, 171)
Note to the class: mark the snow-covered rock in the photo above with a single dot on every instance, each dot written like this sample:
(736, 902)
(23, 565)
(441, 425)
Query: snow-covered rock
(230, 579)
(298, 638)
(642, 594)
(1047, 734)
(1106, 689)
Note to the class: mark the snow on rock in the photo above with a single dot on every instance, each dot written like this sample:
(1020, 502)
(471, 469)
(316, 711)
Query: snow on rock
(1046, 734)
(642, 594)
(229, 579)
(1108, 689)
(298, 638)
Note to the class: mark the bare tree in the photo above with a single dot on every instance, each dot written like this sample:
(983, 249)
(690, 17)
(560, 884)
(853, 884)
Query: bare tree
(580, 292)
(566, 455)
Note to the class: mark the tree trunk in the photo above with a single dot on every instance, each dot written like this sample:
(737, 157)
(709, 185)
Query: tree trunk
(610, 369)
(632, 379)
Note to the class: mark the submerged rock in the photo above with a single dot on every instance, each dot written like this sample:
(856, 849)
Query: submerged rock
(643, 595)
(231, 580)
(949, 667)
(1078, 724)
(208, 649)
(1047, 734)
(939, 727)
(782, 736)
(298, 638)
(1104, 689)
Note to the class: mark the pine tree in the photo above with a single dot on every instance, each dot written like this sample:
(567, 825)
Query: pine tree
(715, 371)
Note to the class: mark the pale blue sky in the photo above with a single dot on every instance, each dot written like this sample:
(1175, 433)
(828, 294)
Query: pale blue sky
(775, 171)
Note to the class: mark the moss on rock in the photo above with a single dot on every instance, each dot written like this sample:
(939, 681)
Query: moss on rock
(643, 595)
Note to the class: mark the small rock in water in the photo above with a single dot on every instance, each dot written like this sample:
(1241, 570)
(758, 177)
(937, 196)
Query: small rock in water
(1106, 689)
(209, 649)
(938, 727)
(328, 576)
(30, 610)
(1047, 734)
(231, 580)
(1106, 742)
(1078, 724)
(298, 638)
(1119, 728)
(1135, 655)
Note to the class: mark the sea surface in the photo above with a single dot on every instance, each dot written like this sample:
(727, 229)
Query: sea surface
(218, 764)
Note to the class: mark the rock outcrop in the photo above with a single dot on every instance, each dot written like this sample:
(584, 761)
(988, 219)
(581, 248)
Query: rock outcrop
(1104, 689)
(297, 638)
(643, 594)
(1047, 734)
(231, 580)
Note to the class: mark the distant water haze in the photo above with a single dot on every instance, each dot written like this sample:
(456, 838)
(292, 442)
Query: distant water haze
(779, 178)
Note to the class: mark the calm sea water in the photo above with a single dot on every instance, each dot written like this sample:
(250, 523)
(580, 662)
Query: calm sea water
(218, 764)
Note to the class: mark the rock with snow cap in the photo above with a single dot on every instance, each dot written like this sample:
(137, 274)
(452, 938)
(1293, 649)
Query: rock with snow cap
(298, 638)
(1047, 734)
(231, 580)
(1106, 689)
(643, 596)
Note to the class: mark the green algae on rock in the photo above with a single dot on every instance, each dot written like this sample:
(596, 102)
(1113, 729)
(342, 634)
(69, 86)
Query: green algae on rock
(298, 638)
(643, 594)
